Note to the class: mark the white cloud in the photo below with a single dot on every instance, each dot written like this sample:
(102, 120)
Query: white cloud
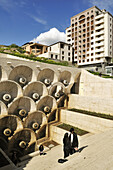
(103, 4)
(41, 21)
(50, 37)
(6, 5)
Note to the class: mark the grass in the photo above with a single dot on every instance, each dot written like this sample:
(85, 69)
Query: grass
(34, 58)
(101, 115)
(98, 74)
(76, 129)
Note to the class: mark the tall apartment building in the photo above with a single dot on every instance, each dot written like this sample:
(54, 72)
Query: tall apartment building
(91, 34)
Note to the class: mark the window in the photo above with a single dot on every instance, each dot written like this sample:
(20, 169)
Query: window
(61, 45)
(50, 48)
(88, 18)
(68, 58)
(91, 54)
(87, 60)
(91, 11)
(91, 59)
(68, 47)
(51, 55)
(68, 54)
(88, 24)
(62, 57)
(62, 52)
(56, 56)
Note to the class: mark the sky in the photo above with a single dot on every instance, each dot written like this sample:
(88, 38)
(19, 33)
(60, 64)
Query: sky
(42, 21)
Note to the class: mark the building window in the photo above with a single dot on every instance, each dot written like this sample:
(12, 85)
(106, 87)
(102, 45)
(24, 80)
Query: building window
(68, 58)
(51, 55)
(91, 59)
(62, 57)
(88, 18)
(61, 45)
(56, 56)
(50, 48)
(87, 60)
(68, 54)
(62, 52)
(91, 11)
(68, 47)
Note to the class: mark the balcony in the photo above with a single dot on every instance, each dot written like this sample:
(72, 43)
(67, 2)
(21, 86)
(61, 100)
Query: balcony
(101, 38)
(99, 55)
(99, 33)
(99, 44)
(99, 16)
(99, 50)
(99, 27)
(101, 21)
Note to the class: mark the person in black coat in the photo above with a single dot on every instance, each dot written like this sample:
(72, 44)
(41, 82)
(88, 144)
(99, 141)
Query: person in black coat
(41, 148)
(73, 140)
(67, 145)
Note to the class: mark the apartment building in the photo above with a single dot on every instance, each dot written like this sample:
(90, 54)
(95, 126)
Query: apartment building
(60, 51)
(91, 34)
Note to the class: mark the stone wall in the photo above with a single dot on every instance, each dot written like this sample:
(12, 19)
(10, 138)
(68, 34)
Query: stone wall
(89, 123)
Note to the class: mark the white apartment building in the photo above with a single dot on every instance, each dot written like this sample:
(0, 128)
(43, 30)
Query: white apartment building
(91, 35)
(59, 51)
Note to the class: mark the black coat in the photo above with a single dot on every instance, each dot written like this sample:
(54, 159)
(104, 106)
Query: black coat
(66, 143)
(75, 140)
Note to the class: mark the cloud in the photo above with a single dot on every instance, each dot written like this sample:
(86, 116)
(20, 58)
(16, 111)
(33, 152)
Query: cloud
(6, 4)
(50, 37)
(41, 21)
(9, 5)
(103, 4)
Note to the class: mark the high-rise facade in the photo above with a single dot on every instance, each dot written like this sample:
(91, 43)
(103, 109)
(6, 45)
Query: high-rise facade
(91, 34)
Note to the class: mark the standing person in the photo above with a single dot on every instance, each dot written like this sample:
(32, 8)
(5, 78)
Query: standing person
(74, 141)
(67, 145)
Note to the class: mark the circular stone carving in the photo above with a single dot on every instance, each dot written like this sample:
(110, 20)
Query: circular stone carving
(22, 112)
(35, 96)
(22, 144)
(47, 109)
(65, 82)
(22, 80)
(7, 97)
(47, 81)
(7, 132)
(35, 126)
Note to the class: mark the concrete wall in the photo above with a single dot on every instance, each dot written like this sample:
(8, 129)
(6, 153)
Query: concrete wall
(91, 85)
(89, 103)
(89, 123)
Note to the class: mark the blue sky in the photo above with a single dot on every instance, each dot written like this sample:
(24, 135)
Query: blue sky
(24, 20)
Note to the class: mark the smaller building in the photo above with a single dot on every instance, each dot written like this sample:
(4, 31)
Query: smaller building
(35, 48)
(59, 51)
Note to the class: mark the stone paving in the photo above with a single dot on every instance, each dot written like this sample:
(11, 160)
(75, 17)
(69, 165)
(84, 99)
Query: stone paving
(96, 154)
